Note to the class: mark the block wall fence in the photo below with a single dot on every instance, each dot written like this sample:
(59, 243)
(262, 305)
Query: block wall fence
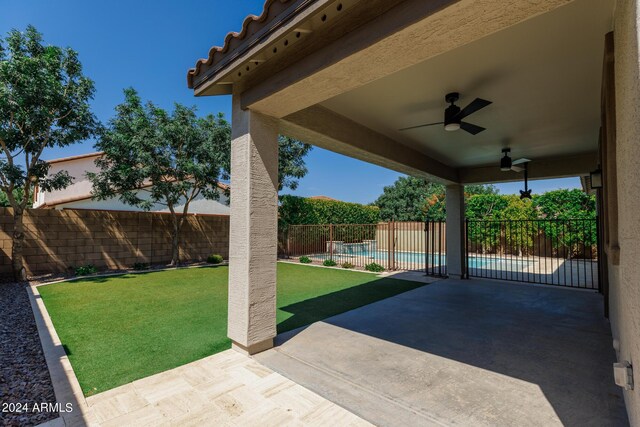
(59, 240)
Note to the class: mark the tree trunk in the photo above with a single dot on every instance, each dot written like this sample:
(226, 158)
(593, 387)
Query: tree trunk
(175, 240)
(17, 261)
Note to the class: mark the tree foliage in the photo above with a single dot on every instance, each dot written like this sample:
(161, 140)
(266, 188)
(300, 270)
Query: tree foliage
(416, 199)
(564, 205)
(408, 199)
(291, 164)
(44, 103)
(18, 195)
(154, 157)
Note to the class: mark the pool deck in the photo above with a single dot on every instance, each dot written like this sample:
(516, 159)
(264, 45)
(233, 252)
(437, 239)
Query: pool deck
(535, 269)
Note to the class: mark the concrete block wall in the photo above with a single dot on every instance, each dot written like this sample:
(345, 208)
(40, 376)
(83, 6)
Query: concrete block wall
(59, 240)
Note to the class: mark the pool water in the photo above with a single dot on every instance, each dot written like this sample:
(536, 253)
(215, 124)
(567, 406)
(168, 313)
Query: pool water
(487, 262)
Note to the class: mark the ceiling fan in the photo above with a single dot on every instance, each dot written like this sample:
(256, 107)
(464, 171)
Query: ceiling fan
(507, 165)
(453, 115)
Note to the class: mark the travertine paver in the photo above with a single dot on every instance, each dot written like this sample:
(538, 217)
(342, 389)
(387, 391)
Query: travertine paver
(224, 389)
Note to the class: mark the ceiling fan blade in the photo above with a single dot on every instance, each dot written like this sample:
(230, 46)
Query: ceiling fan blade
(520, 161)
(472, 129)
(421, 126)
(517, 168)
(476, 104)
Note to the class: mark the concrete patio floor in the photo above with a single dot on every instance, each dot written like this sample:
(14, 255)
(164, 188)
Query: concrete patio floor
(473, 352)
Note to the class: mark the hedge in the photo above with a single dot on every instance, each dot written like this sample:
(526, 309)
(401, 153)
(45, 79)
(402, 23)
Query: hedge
(301, 210)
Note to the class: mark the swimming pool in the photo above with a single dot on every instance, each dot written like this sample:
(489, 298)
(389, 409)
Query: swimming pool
(417, 260)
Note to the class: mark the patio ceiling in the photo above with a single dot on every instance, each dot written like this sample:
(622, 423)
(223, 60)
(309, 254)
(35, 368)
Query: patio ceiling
(543, 76)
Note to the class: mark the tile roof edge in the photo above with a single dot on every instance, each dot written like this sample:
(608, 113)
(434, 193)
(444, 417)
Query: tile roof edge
(222, 50)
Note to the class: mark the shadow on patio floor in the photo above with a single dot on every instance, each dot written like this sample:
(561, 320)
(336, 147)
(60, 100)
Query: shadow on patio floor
(461, 352)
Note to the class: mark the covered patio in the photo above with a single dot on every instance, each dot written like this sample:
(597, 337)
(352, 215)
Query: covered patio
(464, 352)
(562, 81)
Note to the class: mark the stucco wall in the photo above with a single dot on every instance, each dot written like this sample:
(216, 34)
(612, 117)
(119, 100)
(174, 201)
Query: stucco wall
(199, 205)
(625, 279)
(77, 168)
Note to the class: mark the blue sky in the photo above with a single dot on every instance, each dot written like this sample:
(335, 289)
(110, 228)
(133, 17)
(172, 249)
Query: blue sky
(149, 45)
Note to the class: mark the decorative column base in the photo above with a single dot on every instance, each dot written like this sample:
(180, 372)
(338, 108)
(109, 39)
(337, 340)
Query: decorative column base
(254, 348)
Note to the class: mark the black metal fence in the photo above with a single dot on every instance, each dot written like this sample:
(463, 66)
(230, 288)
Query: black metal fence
(393, 245)
(435, 248)
(552, 252)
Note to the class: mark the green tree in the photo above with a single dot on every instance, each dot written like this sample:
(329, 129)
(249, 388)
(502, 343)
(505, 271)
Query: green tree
(416, 199)
(473, 189)
(44, 103)
(518, 236)
(18, 194)
(480, 209)
(180, 155)
(575, 205)
(407, 200)
(291, 164)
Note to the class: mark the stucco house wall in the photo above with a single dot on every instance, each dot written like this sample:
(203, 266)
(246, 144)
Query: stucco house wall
(624, 279)
(77, 195)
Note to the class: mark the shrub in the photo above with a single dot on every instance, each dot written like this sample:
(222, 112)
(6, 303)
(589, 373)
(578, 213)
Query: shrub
(347, 265)
(375, 267)
(304, 259)
(329, 263)
(215, 259)
(300, 210)
(140, 266)
(85, 270)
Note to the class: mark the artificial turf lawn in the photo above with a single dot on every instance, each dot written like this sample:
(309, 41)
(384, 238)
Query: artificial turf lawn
(118, 329)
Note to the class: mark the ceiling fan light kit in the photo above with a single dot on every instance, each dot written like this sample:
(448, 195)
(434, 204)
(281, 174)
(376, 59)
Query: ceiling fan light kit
(453, 115)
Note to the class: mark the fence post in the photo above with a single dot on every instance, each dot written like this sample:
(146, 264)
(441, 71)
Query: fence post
(288, 243)
(426, 247)
(466, 248)
(389, 245)
(393, 245)
(330, 241)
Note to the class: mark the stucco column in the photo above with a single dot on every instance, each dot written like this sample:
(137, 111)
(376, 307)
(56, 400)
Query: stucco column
(253, 230)
(455, 231)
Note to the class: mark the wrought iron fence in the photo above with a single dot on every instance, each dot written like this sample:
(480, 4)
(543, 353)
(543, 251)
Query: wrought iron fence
(393, 245)
(553, 252)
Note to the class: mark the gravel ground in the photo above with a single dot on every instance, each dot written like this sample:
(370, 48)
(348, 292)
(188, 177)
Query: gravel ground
(24, 377)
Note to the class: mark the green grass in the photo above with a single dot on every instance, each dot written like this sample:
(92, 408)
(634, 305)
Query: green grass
(119, 329)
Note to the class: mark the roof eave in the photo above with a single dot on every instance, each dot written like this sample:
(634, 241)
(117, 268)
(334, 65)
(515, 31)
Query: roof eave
(213, 75)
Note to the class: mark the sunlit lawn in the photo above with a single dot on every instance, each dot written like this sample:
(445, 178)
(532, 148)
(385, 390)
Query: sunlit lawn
(119, 329)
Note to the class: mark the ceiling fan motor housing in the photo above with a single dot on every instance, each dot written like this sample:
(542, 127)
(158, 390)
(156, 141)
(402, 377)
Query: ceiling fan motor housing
(505, 162)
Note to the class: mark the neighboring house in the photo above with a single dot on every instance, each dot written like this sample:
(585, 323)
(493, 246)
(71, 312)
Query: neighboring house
(78, 194)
